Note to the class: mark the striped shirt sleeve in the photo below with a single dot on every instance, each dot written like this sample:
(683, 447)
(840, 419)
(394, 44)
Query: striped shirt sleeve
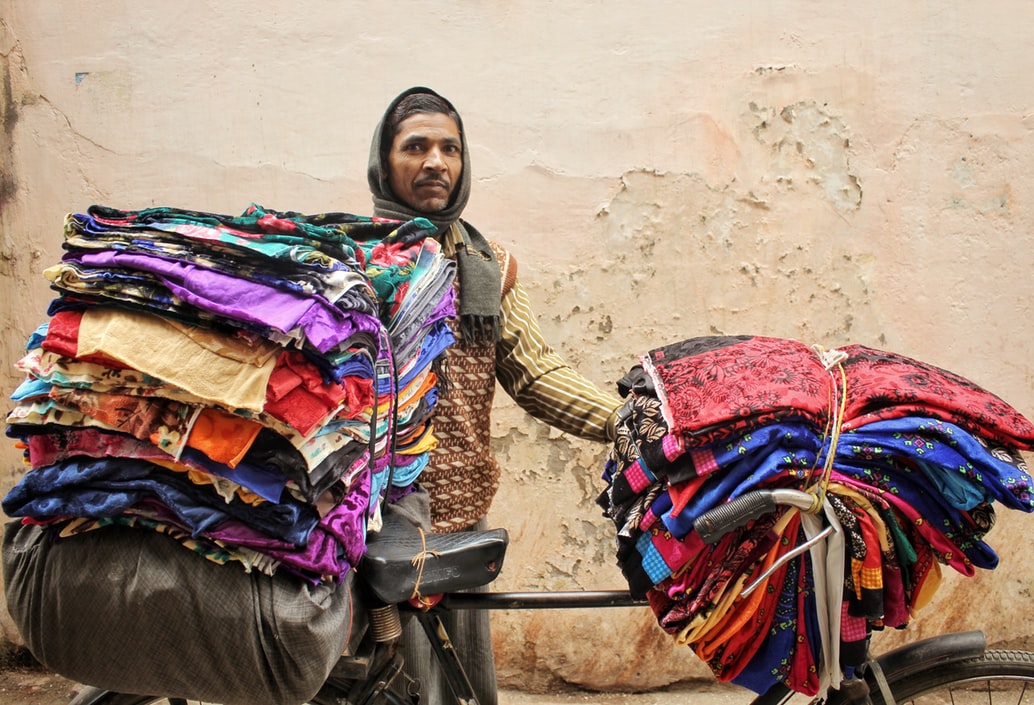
(542, 383)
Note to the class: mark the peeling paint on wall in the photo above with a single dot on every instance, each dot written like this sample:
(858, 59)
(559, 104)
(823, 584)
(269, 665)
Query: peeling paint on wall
(732, 267)
(810, 146)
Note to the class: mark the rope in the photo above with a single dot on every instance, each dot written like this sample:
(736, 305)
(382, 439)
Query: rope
(833, 361)
(830, 358)
(418, 561)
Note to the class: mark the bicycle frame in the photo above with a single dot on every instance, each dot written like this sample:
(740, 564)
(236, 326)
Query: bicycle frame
(449, 661)
(539, 600)
(895, 664)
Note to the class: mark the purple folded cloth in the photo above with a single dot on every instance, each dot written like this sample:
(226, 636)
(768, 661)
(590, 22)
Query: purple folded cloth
(322, 324)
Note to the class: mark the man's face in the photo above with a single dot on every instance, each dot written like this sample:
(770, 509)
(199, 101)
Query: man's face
(425, 161)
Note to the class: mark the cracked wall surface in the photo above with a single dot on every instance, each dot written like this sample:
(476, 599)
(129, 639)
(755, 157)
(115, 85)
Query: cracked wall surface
(850, 174)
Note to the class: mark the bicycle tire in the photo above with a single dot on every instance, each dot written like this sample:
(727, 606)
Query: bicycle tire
(996, 677)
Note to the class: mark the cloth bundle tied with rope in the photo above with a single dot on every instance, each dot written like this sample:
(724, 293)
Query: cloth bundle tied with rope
(906, 462)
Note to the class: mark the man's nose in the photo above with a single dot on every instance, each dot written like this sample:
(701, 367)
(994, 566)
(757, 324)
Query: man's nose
(434, 160)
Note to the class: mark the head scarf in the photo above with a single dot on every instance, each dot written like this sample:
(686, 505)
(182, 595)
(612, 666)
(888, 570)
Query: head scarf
(480, 280)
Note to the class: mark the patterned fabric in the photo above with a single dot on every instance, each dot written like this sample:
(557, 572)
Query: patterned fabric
(265, 378)
(463, 476)
(913, 461)
(717, 386)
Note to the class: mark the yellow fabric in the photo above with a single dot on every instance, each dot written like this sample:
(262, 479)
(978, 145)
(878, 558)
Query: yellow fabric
(425, 445)
(233, 373)
(928, 589)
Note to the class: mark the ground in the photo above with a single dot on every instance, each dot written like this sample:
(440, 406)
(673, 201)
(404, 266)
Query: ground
(31, 685)
(25, 683)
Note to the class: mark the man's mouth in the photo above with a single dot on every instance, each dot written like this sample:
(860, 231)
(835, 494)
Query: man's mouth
(432, 183)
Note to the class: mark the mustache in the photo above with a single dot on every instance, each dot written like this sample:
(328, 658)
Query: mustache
(432, 180)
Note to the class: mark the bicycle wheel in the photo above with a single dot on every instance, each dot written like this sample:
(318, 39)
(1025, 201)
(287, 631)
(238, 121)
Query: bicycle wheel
(994, 678)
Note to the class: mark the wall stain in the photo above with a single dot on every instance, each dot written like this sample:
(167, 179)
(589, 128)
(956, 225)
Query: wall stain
(8, 120)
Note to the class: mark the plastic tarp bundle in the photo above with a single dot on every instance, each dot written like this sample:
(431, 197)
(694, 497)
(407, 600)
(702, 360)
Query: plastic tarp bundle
(212, 633)
(912, 460)
(253, 388)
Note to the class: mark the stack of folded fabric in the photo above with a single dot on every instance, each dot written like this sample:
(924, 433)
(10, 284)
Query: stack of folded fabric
(255, 386)
(910, 457)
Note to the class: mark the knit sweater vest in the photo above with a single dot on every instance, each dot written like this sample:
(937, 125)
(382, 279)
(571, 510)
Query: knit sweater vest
(462, 476)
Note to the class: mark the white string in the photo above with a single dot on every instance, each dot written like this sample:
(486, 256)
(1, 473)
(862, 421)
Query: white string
(829, 358)
(832, 359)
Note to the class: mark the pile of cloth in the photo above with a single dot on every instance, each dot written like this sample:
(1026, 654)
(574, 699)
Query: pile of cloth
(255, 386)
(909, 458)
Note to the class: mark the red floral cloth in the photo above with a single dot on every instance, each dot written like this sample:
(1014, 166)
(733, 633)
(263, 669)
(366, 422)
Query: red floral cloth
(718, 386)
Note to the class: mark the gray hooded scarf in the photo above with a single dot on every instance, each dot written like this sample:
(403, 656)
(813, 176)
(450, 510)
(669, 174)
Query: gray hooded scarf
(478, 270)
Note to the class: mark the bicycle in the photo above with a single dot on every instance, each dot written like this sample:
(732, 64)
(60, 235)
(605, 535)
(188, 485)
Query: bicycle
(941, 669)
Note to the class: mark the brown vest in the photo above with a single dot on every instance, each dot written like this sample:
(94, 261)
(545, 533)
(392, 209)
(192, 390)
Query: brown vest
(462, 476)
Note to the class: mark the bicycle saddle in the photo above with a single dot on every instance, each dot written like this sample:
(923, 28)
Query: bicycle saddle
(400, 561)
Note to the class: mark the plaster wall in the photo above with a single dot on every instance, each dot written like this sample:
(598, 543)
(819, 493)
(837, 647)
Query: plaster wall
(835, 173)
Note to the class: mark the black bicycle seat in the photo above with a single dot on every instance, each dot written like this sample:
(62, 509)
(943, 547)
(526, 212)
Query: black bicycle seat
(451, 562)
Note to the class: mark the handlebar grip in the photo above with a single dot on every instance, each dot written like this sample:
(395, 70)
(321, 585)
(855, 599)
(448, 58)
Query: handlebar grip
(718, 521)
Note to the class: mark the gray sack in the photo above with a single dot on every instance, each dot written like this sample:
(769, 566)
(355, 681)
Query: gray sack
(134, 611)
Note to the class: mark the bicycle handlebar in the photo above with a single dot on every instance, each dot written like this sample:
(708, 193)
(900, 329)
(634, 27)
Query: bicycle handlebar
(716, 522)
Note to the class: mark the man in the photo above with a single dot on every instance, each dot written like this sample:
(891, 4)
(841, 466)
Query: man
(420, 167)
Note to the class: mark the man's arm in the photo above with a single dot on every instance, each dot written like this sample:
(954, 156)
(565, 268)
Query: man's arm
(542, 383)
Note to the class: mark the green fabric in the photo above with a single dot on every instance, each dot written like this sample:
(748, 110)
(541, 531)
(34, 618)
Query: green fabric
(477, 269)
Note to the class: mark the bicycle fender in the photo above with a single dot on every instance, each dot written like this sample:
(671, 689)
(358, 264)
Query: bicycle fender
(899, 663)
(921, 654)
